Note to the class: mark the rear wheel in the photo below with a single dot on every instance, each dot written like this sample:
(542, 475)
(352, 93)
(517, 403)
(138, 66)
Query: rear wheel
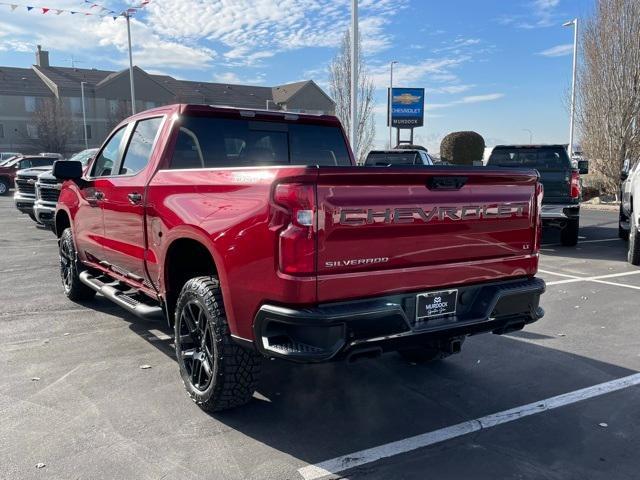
(218, 374)
(633, 255)
(569, 234)
(4, 186)
(622, 232)
(74, 289)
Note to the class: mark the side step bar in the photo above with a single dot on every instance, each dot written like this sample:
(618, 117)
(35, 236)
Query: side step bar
(142, 310)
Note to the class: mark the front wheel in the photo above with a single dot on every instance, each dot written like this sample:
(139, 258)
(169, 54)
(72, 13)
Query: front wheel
(569, 234)
(633, 255)
(622, 232)
(4, 186)
(218, 374)
(74, 289)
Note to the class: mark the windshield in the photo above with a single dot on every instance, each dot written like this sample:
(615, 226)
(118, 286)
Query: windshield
(205, 142)
(545, 158)
(84, 156)
(383, 159)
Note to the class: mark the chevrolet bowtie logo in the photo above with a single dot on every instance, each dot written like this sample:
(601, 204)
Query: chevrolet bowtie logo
(406, 98)
(31, 181)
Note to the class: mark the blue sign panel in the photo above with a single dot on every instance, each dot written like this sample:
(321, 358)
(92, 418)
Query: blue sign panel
(407, 107)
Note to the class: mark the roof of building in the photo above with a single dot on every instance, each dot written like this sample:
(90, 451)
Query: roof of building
(22, 81)
(41, 80)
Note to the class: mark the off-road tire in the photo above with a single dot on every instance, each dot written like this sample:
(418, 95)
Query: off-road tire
(74, 289)
(569, 234)
(234, 369)
(622, 233)
(4, 186)
(633, 255)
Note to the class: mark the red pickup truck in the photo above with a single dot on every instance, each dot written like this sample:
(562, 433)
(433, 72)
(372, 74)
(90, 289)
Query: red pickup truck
(255, 235)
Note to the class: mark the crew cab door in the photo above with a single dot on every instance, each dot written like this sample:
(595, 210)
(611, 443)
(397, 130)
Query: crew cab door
(123, 203)
(88, 223)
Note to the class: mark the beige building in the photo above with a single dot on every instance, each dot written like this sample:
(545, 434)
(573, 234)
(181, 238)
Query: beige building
(108, 99)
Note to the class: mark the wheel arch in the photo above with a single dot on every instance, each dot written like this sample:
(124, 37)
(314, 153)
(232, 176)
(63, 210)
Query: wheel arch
(188, 254)
(62, 221)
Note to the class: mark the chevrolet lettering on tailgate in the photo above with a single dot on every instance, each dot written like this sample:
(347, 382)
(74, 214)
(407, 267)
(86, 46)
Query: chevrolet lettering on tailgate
(364, 216)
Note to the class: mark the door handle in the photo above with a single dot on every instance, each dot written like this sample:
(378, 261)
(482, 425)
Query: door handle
(98, 195)
(134, 198)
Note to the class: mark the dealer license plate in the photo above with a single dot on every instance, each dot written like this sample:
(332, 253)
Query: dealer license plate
(436, 304)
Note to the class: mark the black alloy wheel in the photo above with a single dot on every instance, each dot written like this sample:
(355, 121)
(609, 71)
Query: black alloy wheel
(196, 345)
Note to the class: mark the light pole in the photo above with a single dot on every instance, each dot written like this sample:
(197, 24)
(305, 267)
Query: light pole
(390, 103)
(530, 135)
(573, 22)
(127, 15)
(84, 116)
(354, 77)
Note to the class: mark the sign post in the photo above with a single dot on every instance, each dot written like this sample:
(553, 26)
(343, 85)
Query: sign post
(407, 109)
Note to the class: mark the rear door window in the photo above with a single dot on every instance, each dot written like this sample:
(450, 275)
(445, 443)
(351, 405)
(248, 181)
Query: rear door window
(206, 142)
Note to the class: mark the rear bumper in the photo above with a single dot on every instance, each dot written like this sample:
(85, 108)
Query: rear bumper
(334, 331)
(44, 212)
(24, 202)
(560, 211)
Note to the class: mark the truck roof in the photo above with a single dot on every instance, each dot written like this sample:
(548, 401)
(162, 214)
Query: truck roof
(525, 145)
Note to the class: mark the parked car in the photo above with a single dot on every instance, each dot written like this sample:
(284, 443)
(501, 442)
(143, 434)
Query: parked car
(48, 189)
(255, 235)
(398, 157)
(9, 170)
(5, 156)
(25, 189)
(629, 222)
(561, 181)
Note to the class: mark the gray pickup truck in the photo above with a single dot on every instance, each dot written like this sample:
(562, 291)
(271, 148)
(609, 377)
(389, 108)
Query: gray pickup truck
(559, 177)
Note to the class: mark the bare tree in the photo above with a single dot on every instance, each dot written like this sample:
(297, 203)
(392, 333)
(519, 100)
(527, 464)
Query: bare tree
(54, 126)
(609, 88)
(340, 89)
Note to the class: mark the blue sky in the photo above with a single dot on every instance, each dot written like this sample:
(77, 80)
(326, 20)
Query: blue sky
(494, 66)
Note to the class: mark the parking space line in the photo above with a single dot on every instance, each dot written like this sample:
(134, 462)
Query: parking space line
(558, 274)
(363, 457)
(597, 278)
(598, 240)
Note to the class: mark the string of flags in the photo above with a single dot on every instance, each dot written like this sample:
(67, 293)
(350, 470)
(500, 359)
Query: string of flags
(98, 9)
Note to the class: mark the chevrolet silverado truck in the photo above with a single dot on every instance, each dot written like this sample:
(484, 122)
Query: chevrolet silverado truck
(48, 190)
(25, 191)
(560, 178)
(254, 234)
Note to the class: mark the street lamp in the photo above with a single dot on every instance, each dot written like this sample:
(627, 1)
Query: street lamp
(354, 77)
(573, 22)
(390, 103)
(127, 15)
(530, 135)
(84, 116)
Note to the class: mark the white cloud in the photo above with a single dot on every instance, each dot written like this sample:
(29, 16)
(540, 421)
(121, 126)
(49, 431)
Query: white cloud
(540, 13)
(489, 97)
(558, 50)
(419, 72)
(234, 78)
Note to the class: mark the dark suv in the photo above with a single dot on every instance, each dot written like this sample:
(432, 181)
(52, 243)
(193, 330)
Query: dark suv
(559, 177)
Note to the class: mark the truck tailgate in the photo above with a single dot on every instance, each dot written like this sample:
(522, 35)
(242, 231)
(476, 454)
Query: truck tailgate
(387, 230)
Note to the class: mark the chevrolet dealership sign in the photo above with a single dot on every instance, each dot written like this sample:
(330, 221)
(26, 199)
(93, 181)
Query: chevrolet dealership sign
(407, 107)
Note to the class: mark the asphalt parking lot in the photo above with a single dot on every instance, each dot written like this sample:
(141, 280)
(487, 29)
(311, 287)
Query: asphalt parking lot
(75, 401)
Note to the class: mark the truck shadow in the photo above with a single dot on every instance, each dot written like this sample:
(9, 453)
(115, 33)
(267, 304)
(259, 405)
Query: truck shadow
(317, 412)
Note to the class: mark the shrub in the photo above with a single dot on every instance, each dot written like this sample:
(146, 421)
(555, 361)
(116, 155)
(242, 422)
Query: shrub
(462, 148)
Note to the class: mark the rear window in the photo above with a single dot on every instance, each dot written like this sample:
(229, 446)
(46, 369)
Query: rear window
(537, 158)
(383, 159)
(205, 142)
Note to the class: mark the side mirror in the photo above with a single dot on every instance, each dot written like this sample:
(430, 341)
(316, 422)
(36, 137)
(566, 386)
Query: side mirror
(67, 170)
(624, 173)
(583, 167)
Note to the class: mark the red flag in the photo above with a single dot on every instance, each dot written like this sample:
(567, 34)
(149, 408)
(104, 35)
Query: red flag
(45, 10)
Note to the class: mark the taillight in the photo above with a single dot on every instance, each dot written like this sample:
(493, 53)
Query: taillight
(574, 187)
(538, 220)
(297, 242)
